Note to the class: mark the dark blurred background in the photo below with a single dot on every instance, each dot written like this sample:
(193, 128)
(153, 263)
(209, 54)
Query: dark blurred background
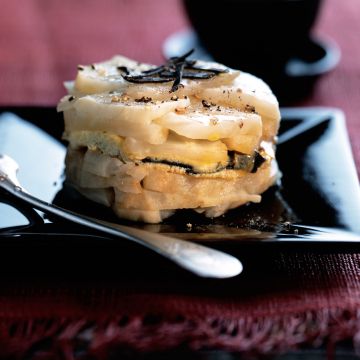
(270, 38)
(42, 41)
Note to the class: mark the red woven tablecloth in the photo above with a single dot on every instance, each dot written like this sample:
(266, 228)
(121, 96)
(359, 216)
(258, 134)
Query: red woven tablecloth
(289, 300)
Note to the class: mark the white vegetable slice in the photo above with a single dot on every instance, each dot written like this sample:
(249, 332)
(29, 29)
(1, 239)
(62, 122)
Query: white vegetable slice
(102, 171)
(165, 190)
(105, 76)
(245, 144)
(202, 155)
(196, 123)
(125, 118)
(248, 91)
(103, 165)
(161, 91)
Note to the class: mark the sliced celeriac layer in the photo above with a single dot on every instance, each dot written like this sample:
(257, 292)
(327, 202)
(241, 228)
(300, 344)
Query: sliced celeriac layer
(121, 117)
(146, 149)
(249, 93)
(104, 76)
(108, 76)
(196, 156)
(200, 155)
(151, 121)
(240, 131)
(153, 191)
(233, 88)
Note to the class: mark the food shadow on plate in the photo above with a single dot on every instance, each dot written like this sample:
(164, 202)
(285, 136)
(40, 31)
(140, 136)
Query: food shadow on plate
(252, 221)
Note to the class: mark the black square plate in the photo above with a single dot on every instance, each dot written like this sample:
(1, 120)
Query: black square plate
(318, 199)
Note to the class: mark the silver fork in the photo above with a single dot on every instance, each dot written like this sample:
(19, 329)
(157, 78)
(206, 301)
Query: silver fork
(198, 259)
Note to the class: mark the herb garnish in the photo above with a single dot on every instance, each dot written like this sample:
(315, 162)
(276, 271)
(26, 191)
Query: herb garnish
(175, 69)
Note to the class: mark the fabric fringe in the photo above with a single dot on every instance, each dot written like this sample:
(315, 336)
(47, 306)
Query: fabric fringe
(79, 338)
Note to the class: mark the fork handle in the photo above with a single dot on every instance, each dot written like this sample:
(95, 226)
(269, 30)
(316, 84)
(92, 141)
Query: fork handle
(200, 260)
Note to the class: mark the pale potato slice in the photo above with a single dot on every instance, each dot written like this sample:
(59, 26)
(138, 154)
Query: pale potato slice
(201, 155)
(162, 91)
(121, 117)
(84, 174)
(195, 192)
(104, 165)
(161, 190)
(250, 93)
(213, 125)
(105, 76)
(245, 144)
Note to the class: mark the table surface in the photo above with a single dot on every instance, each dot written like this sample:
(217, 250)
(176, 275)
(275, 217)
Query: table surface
(41, 43)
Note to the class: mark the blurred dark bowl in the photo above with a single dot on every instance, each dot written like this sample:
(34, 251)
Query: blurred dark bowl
(260, 36)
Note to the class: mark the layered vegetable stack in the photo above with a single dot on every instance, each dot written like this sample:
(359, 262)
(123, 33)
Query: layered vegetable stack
(148, 140)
